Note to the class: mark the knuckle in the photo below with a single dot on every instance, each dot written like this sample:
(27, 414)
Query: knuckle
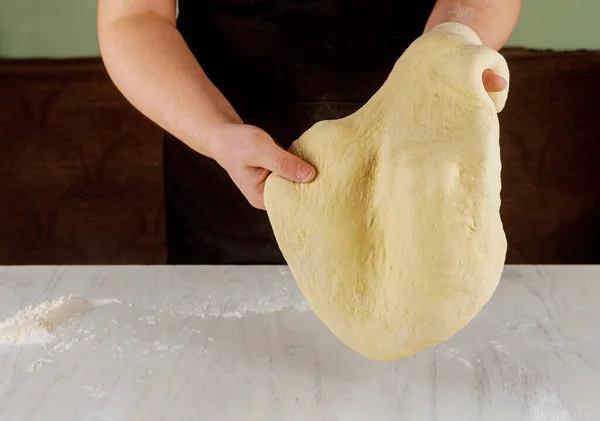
(256, 131)
(252, 142)
(255, 135)
(284, 162)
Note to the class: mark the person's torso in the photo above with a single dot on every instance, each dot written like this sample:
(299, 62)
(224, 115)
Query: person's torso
(300, 50)
(283, 65)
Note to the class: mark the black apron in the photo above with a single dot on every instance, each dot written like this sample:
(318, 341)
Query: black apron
(283, 65)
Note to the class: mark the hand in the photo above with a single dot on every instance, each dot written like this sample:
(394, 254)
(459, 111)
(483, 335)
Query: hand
(492, 82)
(249, 155)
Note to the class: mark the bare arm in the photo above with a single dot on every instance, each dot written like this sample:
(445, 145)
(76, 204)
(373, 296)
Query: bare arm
(150, 63)
(493, 20)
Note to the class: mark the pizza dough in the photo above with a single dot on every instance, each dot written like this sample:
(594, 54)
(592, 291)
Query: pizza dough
(398, 242)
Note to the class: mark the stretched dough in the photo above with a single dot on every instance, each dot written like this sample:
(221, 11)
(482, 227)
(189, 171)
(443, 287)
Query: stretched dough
(398, 243)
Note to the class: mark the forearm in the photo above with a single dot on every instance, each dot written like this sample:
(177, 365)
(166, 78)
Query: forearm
(151, 65)
(492, 20)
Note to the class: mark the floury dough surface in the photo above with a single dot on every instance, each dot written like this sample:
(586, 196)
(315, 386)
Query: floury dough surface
(398, 243)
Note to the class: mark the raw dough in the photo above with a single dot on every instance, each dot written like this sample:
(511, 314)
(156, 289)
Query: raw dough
(398, 243)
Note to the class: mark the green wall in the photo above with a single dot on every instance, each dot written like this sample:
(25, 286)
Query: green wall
(558, 25)
(67, 28)
(48, 28)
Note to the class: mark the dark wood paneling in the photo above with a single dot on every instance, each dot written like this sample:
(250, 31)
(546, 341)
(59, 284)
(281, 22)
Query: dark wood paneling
(80, 170)
(550, 140)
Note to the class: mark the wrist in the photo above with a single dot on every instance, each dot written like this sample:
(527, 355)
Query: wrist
(493, 21)
(217, 133)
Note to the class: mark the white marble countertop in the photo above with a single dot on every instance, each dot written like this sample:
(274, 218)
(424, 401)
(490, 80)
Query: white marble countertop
(238, 343)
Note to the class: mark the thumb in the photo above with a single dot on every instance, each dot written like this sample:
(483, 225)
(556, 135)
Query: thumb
(492, 82)
(287, 165)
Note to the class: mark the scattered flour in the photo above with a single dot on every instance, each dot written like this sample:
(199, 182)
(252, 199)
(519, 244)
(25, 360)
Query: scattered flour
(455, 354)
(236, 299)
(461, 13)
(261, 307)
(160, 347)
(94, 391)
(151, 320)
(39, 363)
(51, 356)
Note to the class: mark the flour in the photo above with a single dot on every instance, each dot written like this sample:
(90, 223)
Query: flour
(39, 363)
(51, 356)
(235, 300)
(94, 391)
(36, 324)
(455, 354)
(151, 320)
(461, 13)
(160, 347)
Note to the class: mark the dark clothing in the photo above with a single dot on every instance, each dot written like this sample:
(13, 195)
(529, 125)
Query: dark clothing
(283, 65)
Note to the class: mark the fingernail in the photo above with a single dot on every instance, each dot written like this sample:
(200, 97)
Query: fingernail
(304, 172)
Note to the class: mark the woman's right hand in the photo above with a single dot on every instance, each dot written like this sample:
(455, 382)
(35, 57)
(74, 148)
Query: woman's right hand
(181, 99)
(249, 155)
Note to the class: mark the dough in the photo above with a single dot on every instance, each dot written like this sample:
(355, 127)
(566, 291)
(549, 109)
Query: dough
(398, 242)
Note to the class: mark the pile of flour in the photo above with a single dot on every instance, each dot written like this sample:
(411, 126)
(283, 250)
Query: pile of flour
(35, 324)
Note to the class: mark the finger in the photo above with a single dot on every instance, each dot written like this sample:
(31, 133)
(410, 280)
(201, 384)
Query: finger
(287, 165)
(492, 82)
